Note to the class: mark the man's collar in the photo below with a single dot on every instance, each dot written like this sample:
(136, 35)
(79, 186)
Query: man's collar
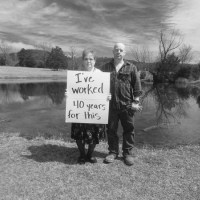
(125, 62)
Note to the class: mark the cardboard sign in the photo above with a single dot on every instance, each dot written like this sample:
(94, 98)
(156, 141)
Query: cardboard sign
(87, 97)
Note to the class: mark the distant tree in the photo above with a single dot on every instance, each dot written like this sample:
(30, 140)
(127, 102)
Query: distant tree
(100, 61)
(30, 61)
(185, 54)
(2, 61)
(191, 72)
(166, 71)
(142, 74)
(21, 57)
(195, 73)
(171, 62)
(184, 72)
(46, 48)
(5, 50)
(72, 56)
(25, 58)
(13, 59)
(56, 59)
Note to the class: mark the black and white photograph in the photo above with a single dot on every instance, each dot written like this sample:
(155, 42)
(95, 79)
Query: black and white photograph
(99, 100)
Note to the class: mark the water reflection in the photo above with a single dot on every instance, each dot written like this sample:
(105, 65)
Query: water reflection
(55, 91)
(34, 109)
(38, 109)
(171, 102)
(173, 115)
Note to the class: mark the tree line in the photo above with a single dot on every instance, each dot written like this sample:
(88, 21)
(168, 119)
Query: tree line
(171, 60)
(43, 56)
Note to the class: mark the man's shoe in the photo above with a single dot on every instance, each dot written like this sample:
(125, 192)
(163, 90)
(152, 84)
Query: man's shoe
(110, 158)
(128, 160)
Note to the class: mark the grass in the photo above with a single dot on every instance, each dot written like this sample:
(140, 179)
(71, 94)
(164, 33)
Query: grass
(26, 74)
(46, 169)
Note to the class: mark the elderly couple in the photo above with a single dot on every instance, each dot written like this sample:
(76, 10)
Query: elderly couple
(125, 89)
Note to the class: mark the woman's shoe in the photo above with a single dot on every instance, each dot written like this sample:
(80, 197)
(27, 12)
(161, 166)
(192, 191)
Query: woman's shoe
(89, 156)
(81, 147)
(81, 160)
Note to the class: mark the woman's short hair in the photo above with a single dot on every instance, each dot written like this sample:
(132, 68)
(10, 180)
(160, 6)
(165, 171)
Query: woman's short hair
(87, 51)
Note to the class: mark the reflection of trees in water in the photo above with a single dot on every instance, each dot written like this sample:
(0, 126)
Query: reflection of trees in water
(184, 93)
(5, 96)
(8, 93)
(166, 99)
(198, 100)
(195, 92)
(23, 90)
(56, 91)
(171, 102)
(32, 89)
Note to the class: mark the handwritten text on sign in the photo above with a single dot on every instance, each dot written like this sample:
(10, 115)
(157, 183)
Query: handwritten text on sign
(87, 97)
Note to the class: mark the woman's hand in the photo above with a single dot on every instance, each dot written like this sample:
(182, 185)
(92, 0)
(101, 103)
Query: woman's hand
(109, 97)
(66, 93)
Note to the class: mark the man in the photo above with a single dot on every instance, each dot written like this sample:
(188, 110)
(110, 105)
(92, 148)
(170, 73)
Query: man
(125, 90)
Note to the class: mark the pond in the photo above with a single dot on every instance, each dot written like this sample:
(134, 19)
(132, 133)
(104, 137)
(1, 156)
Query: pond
(170, 115)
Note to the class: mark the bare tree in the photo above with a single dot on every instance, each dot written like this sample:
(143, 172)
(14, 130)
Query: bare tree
(5, 50)
(169, 40)
(72, 54)
(142, 54)
(185, 54)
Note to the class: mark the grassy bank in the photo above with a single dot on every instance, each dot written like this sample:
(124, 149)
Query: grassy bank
(25, 74)
(46, 169)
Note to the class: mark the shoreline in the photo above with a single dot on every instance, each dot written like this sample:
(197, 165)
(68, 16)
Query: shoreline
(9, 74)
(10, 80)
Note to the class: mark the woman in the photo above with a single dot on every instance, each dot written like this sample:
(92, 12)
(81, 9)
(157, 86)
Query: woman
(87, 133)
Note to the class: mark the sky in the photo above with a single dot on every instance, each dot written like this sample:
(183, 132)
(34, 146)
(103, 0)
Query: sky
(98, 24)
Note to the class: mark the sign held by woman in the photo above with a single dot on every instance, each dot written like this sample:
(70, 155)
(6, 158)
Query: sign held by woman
(87, 97)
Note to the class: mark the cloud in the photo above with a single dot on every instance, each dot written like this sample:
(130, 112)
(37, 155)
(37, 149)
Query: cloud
(94, 23)
(187, 20)
(19, 45)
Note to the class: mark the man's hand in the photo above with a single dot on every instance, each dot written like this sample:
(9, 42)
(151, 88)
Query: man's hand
(136, 107)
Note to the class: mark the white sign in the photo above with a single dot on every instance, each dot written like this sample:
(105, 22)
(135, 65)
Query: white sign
(87, 97)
